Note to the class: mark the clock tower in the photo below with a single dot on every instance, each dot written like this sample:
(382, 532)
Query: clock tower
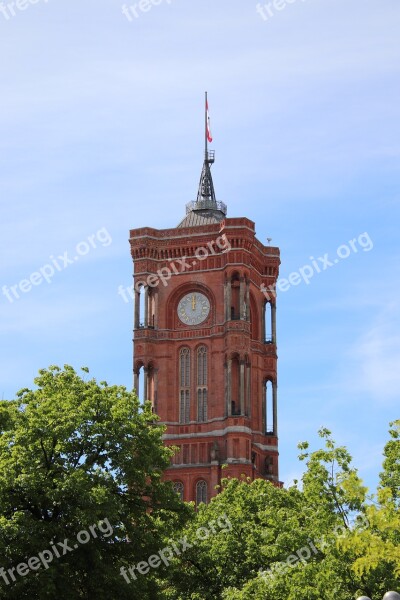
(205, 347)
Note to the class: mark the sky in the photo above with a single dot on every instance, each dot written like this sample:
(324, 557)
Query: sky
(101, 131)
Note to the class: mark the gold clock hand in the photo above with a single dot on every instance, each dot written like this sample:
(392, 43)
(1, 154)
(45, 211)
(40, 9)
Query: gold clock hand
(193, 302)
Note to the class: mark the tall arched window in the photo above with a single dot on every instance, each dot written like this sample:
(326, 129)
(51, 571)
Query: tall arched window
(235, 297)
(151, 396)
(151, 309)
(202, 384)
(184, 383)
(235, 386)
(201, 492)
(269, 407)
(178, 489)
(140, 381)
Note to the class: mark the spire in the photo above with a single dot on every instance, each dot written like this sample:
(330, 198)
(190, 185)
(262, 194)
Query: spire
(206, 193)
(206, 208)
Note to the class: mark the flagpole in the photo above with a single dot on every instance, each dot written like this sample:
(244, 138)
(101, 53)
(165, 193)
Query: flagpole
(205, 128)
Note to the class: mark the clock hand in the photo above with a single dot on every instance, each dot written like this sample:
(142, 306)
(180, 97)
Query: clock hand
(193, 302)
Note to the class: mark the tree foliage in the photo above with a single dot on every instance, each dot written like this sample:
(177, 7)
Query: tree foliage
(74, 453)
(77, 456)
(303, 543)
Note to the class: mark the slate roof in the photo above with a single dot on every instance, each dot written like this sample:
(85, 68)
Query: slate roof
(196, 218)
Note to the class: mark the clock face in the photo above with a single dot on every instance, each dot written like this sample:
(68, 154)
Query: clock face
(194, 308)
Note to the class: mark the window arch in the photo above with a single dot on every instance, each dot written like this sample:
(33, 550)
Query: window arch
(202, 366)
(269, 406)
(267, 322)
(145, 306)
(236, 408)
(235, 297)
(202, 405)
(184, 385)
(201, 492)
(202, 384)
(178, 489)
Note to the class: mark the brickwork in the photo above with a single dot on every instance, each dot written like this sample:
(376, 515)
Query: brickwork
(223, 419)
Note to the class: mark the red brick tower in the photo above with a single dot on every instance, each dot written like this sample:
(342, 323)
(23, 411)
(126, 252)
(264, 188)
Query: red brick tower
(205, 350)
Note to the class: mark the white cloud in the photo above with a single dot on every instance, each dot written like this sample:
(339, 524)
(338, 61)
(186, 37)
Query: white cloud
(375, 358)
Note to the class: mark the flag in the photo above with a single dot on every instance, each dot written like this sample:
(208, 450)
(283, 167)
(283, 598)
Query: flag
(209, 136)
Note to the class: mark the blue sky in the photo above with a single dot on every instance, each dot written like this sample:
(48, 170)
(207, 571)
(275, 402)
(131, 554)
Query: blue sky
(102, 131)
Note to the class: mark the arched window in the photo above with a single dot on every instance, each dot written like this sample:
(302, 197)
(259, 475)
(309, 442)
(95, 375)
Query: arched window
(202, 366)
(267, 321)
(184, 383)
(202, 384)
(142, 304)
(178, 489)
(235, 297)
(202, 405)
(235, 386)
(141, 383)
(145, 306)
(201, 492)
(269, 407)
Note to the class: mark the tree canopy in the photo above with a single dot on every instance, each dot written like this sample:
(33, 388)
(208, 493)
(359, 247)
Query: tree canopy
(81, 463)
(323, 539)
(85, 512)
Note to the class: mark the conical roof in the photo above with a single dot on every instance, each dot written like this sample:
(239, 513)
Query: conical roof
(205, 210)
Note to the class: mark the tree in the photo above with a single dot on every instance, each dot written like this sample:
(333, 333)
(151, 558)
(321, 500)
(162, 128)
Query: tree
(376, 543)
(81, 468)
(390, 476)
(286, 544)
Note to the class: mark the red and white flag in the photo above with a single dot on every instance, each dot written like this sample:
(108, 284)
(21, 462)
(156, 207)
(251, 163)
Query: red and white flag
(209, 136)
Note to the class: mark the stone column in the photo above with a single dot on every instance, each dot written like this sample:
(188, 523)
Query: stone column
(263, 323)
(241, 383)
(264, 406)
(275, 406)
(145, 384)
(214, 479)
(146, 307)
(226, 388)
(136, 382)
(215, 470)
(137, 309)
(155, 384)
(156, 308)
(242, 297)
(273, 322)
(248, 299)
(229, 373)
(228, 300)
(248, 391)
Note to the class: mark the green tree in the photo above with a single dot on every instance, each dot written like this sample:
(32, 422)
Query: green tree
(289, 544)
(390, 476)
(75, 454)
(376, 543)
